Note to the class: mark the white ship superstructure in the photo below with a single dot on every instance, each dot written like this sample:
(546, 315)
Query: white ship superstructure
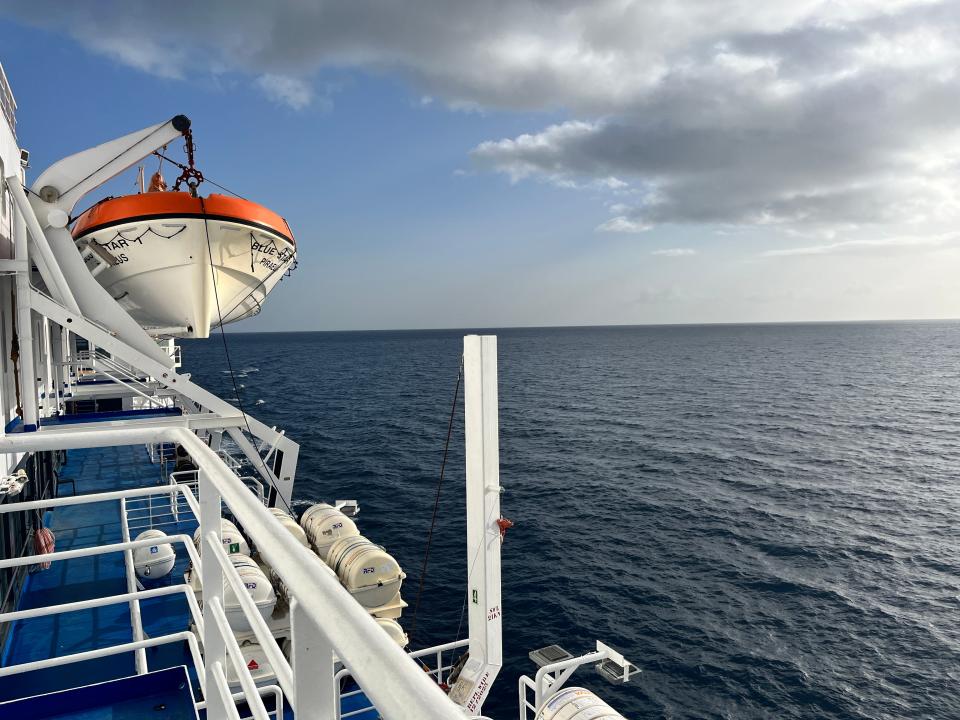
(150, 564)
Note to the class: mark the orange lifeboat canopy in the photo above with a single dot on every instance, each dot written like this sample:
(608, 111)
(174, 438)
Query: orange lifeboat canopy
(171, 205)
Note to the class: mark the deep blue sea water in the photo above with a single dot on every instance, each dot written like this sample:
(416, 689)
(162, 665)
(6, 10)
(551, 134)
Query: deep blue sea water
(762, 517)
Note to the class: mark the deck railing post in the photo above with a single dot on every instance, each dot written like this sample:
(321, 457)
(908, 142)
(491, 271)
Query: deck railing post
(312, 661)
(211, 578)
(135, 619)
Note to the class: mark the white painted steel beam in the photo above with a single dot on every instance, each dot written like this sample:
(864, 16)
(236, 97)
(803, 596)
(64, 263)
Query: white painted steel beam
(24, 326)
(211, 579)
(75, 175)
(172, 380)
(482, 457)
(46, 262)
(317, 692)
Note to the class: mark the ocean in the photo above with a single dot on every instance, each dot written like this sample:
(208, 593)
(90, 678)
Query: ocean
(762, 517)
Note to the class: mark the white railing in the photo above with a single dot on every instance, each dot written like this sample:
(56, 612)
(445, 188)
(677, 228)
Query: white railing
(552, 677)
(229, 460)
(255, 485)
(92, 360)
(326, 621)
(132, 596)
(160, 451)
(439, 672)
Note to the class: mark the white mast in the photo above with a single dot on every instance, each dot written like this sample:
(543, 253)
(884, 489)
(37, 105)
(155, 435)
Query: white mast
(481, 430)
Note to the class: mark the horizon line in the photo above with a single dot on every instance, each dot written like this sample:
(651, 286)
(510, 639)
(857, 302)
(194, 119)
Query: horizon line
(601, 325)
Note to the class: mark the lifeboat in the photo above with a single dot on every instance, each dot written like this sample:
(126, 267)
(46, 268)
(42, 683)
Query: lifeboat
(180, 264)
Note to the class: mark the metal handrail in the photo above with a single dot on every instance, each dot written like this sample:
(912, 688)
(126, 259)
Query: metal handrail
(113, 650)
(109, 600)
(257, 707)
(264, 637)
(436, 650)
(397, 687)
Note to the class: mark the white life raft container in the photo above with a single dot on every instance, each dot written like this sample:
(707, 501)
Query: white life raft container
(366, 570)
(393, 629)
(258, 587)
(153, 561)
(257, 663)
(233, 541)
(324, 525)
(576, 703)
(392, 610)
(281, 588)
(291, 525)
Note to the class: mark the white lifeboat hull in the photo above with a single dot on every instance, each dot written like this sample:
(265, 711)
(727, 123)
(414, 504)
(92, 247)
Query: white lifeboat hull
(180, 275)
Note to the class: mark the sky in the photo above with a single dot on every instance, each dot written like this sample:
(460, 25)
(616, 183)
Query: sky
(514, 163)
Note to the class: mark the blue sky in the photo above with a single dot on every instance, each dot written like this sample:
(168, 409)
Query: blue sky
(427, 191)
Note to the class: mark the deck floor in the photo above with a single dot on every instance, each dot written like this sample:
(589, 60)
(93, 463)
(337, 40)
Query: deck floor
(94, 470)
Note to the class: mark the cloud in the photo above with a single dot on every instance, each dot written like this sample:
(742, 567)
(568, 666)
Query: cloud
(809, 114)
(675, 252)
(868, 245)
(623, 224)
(286, 90)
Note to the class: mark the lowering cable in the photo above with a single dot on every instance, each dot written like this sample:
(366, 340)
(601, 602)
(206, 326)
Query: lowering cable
(226, 349)
(436, 502)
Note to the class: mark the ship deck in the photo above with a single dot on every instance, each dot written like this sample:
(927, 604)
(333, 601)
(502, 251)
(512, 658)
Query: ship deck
(81, 526)
(95, 470)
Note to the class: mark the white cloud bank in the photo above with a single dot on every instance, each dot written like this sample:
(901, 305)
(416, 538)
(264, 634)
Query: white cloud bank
(675, 252)
(808, 114)
(286, 90)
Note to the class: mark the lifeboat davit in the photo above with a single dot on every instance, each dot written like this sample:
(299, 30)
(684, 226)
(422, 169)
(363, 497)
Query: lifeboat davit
(181, 264)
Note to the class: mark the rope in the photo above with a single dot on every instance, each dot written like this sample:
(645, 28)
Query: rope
(226, 349)
(436, 501)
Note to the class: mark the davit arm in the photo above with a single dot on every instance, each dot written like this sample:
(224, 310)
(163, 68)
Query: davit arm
(66, 181)
(53, 198)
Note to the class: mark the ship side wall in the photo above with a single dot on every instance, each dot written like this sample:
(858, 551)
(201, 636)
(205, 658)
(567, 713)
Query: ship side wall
(15, 528)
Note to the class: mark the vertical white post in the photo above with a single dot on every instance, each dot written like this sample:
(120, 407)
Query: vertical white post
(313, 675)
(69, 352)
(481, 431)
(50, 404)
(28, 388)
(58, 368)
(136, 622)
(211, 580)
